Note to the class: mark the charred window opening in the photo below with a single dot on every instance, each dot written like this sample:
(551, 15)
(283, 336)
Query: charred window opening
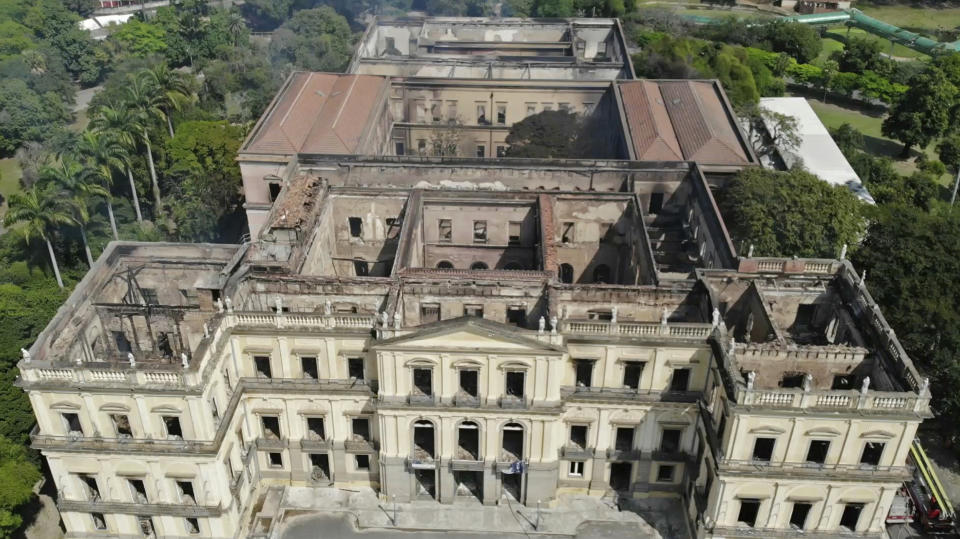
(123, 343)
(360, 267)
(584, 368)
(423, 382)
(624, 440)
(271, 426)
(308, 365)
(262, 364)
(356, 227)
(479, 266)
(601, 274)
(515, 382)
(566, 232)
(513, 234)
(479, 232)
(851, 516)
(150, 296)
(844, 381)
(445, 228)
(872, 451)
(517, 315)
(632, 371)
(355, 368)
(600, 314)
(163, 345)
(798, 516)
(99, 522)
(192, 525)
(749, 508)
(315, 428)
(429, 312)
(444, 264)
(656, 203)
(680, 380)
(468, 382)
(426, 483)
(185, 491)
(817, 453)
(566, 273)
(361, 429)
(512, 442)
(274, 190)
(90, 484)
(71, 422)
(172, 425)
(468, 441)
(805, 315)
(665, 473)
(319, 466)
(393, 227)
(792, 379)
(670, 443)
(763, 449)
(121, 425)
(275, 459)
(423, 440)
(138, 490)
(362, 462)
(473, 310)
(620, 475)
(578, 436)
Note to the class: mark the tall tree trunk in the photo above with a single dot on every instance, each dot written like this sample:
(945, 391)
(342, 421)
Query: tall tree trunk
(136, 199)
(158, 211)
(906, 150)
(169, 122)
(86, 246)
(53, 262)
(113, 222)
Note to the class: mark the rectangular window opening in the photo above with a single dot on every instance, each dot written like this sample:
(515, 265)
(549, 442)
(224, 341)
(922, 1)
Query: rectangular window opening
(192, 525)
(798, 516)
(670, 443)
(468, 382)
(262, 364)
(172, 425)
(665, 473)
(763, 449)
(872, 451)
(315, 428)
(275, 189)
(362, 462)
(515, 381)
(355, 368)
(185, 491)
(851, 516)
(656, 203)
(361, 429)
(578, 436)
(481, 150)
(566, 232)
(792, 380)
(473, 310)
(749, 508)
(817, 453)
(99, 522)
(121, 425)
(90, 484)
(445, 228)
(423, 382)
(356, 226)
(501, 114)
(429, 312)
(271, 427)
(513, 237)
(138, 490)
(308, 365)
(680, 380)
(276, 459)
(517, 316)
(631, 374)
(624, 440)
(319, 466)
(479, 231)
(584, 372)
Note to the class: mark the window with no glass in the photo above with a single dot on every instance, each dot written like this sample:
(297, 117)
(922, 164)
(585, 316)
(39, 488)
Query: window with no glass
(749, 508)
(566, 232)
(798, 516)
(817, 453)
(680, 380)
(356, 226)
(276, 459)
(515, 381)
(763, 449)
(445, 230)
(361, 428)
(851, 516)
(670, 443)
(262, 364)
(631, 374)
(578, 436)
(517, 315)
(172, 425)
(513, 237)
(355, 367)
(665, 473)
(479, 231)
(872, 451)
(473, 310)
(315, 428)
(308, 364)
(468, 382)
(624, 440)
(362, 462)
(429, 312)
(271, 426)
(584, 372)
(423, 382)
(185, 492)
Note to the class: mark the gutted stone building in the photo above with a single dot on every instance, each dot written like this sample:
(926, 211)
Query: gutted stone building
(466, 329)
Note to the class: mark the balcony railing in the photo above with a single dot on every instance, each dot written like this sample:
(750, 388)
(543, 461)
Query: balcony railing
(360, 446)
(624, 393)
(314, 445)
(734, 531)
(576, 452)
(91, 443)
(753, 467)
(673, 330)
(511, 402)
(144, 509)
(836, 400)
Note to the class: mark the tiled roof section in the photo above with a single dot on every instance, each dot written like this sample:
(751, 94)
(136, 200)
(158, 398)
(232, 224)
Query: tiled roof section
(690, 118)
(649, 124)
(323, 113)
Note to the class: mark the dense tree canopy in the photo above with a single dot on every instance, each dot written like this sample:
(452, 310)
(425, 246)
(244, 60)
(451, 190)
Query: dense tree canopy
(790, 213)
(17, 477)
(923, 112)
(314, 39)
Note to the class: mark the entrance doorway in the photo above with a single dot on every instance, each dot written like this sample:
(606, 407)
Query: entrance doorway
(426, 483)
(512, 485)
(469, 484)
(620, 473)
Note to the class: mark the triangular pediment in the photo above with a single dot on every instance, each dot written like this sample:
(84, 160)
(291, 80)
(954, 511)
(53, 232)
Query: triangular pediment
(470, 333)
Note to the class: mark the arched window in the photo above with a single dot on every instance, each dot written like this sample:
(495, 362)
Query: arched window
(566, 273)
(478, 266)
(601, 274)
(513, 266)
(468, 441)
(443, 264)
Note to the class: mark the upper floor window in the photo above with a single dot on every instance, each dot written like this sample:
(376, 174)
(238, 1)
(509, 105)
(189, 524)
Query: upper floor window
(445, 230)
(71, 423)
(763, 449)
(584, 372)
(361, 428)
(578, 436)
(515, 383)
(271, 427)
(479, 231)
(262, 364)
(355, 368)
(308, 365)
(872, 451)
(482, 114)
(423, 381)
(670, 442)
(632, 370)
(185, 492)
(171, 424)
(138, 490)
(150, 296)
(121, 425)
(356, 226)
(513, 234)
(680, 380)
(501, 113)
(315, 428)
(429, 312)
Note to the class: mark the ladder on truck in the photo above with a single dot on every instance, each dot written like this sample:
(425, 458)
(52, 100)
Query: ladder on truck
(929, 495)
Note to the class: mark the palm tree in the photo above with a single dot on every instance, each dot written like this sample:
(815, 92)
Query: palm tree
(105, 155)
(147, 105)
(236, 26)
(124, 125)
(81, 186)
(171, 90)
(39, 210)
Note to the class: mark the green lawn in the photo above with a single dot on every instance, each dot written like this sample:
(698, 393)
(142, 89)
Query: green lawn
(833, 116)
(914, 17)
(9, 181)
(840, 33)
(829, 47)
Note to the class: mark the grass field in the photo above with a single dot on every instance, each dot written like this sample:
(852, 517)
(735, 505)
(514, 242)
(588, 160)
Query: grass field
(833, 116)
(839, 35)
(914, 17)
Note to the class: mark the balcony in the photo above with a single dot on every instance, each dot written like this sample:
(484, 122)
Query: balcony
(142, 509)
(271, 444)
(736, 532)
(572, 451)
(361, 446)
(422, 400)
(654, 330)
(46, 442)
(812, 469)
(314, 445)
(836, 400)
(574, 393)
(465, 400)
(512, 403)
(624, 454)
(424, 463)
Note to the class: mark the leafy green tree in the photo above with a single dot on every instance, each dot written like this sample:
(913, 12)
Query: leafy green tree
(171, 90)
(791, 213)
(314, 39)
(860, 54)
(24, 115)
(79, 184)
(555, 8)
(38, 211)
(827, 75)
(52, 22)
(800, 41)
(104, 155)
(140, 38)
(202, 162)
(949, 151)
(923, 112)
(17, 477)
(848, 139)
(125, 126)
(551, 133)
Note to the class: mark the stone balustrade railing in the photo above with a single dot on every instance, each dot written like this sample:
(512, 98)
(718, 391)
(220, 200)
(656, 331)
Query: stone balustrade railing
(677, 330)
(819, 353)
(812, 468)
(837, 400)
